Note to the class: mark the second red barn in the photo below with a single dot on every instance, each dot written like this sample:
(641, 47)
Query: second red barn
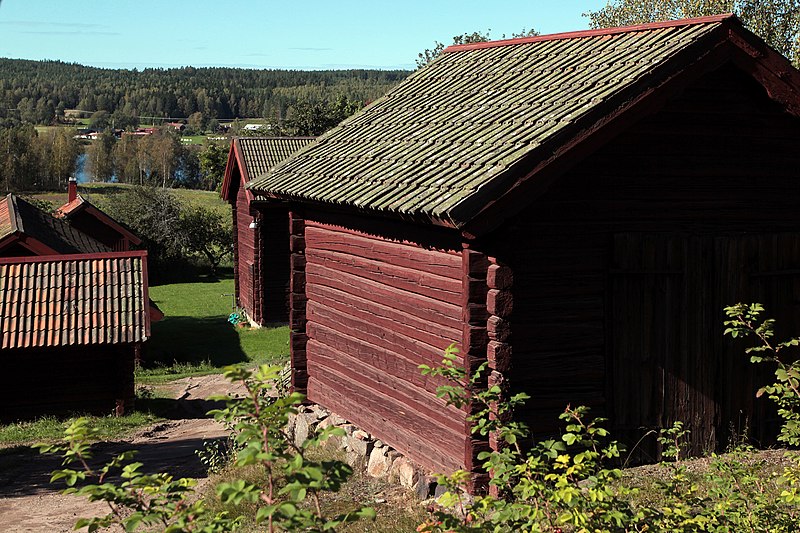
(261, 245)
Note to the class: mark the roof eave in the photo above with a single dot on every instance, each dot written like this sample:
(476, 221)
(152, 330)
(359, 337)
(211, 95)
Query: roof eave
(485, 211)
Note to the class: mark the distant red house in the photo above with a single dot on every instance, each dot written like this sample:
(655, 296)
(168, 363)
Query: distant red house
(573, 210)
(261, 242)
(85, 217)
(71, 327)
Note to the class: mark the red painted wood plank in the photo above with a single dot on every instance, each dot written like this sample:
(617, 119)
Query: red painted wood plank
(382, 316)
(422, 446)
(444, 313)
(437, 287)
(389, 340)
(420, 403)
(408, 255)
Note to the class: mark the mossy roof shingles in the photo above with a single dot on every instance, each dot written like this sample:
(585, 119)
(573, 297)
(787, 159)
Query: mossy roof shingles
(262, 153)
(452, 130)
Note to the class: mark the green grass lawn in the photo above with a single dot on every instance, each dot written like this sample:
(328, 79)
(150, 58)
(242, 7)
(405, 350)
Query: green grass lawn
(51, 428)
(97, 193)
(195, 337)
(194, 139)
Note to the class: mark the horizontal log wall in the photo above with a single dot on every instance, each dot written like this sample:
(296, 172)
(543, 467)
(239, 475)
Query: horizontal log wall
(376, 309)
(721, 159)
(65, 380)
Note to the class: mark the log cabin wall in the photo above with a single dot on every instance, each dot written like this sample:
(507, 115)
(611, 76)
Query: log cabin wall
(383, 298)
(98, 379)
(621, 269)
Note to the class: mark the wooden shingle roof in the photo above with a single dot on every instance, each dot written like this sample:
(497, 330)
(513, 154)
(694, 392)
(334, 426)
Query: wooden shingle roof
(21, 217)
(459, 133)
(257, 155)
(74, 300)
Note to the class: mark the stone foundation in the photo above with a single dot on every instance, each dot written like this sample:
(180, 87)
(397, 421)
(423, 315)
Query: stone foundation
(378, 459)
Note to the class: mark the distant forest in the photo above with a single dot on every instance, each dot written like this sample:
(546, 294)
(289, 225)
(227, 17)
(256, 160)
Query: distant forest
(38, 91)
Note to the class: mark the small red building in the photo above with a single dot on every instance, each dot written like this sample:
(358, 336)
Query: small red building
(85, 217)
(26, 230)
(574, 209)
(70, 330)
(261, 249)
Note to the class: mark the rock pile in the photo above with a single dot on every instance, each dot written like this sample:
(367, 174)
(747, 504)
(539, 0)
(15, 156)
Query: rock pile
(364, 451)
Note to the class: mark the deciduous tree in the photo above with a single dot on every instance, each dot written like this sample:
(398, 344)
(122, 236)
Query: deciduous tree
(776, 21)
(429, 54)
(99, 161)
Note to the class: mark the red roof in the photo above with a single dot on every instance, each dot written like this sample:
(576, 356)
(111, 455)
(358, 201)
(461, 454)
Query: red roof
(590, 33)
(74, 300)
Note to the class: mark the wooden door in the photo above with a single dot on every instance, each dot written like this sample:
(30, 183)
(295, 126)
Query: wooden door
(668, 357)
(658, 341)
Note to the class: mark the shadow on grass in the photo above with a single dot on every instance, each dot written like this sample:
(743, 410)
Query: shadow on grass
(194, 274)
(193, 340)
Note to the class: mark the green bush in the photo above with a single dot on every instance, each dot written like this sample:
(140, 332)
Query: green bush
(566, 484)
(288, 499)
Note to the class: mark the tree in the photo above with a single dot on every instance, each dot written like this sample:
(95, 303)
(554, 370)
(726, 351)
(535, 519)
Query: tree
(20, 164)
(100, 120)
(155, 215)
(123, 121)
(60, 153)
(429, 54)
(158, 156)
(208, 233)
(776, 21)
(99, 161)
(126, 162)
(213, 160)
(197, 123)
(312, 118)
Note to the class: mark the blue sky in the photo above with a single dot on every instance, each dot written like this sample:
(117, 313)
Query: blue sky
(305, 34)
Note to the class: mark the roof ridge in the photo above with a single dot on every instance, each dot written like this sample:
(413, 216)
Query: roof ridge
(274, 138)
(591, 33)
(59, 258)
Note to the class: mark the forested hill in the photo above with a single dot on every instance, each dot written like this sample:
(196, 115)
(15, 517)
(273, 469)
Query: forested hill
(35, 91)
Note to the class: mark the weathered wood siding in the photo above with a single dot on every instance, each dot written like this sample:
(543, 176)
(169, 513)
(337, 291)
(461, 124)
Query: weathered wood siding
(274, 261)
(376, 308)
(621, 269)
(247, 268)
(64, 380)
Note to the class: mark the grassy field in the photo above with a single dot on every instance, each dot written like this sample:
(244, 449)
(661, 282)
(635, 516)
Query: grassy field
(195, 337)
(51, 428)
(97, 193)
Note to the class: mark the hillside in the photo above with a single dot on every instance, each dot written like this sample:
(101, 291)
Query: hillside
(35, 91)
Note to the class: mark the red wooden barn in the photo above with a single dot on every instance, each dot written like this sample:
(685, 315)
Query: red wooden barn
(261, 249)
(70, 329)
(85, 217)
(575, 209)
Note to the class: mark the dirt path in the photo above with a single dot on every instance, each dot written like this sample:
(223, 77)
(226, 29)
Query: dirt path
(28, 502)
